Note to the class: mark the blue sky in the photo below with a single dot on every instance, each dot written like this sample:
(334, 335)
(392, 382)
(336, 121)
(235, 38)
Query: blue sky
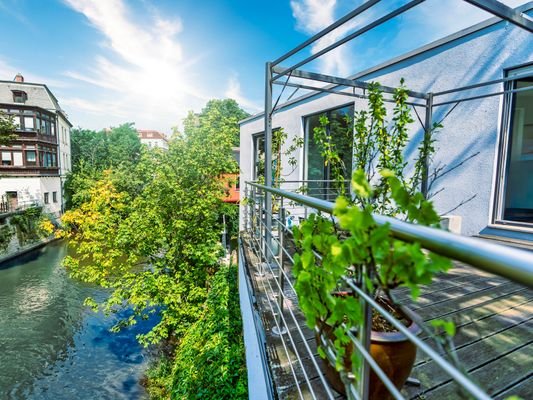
(149, 62)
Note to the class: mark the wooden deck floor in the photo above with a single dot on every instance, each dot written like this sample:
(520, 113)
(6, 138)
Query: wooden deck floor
(494, 340)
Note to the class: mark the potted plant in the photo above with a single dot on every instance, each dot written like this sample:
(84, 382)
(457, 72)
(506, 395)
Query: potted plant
(351, 244)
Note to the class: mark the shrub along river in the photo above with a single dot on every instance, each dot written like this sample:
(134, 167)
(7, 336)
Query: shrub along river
(53, 347)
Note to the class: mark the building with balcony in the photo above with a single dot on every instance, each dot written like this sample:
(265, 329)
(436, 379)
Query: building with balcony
(478, 84)
(490, 134)
(34, 165)
(153, 139)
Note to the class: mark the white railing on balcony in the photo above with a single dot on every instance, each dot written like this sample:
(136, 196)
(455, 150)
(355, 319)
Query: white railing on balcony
(267, 235)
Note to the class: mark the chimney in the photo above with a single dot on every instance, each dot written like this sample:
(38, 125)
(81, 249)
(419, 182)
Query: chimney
(19, 78)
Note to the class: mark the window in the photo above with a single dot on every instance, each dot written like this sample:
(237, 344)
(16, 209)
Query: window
(19, 96)
(6, 158)
(30, 157)
(259, 156)
(54, 197)
(339, 131)
(17, 158)
(28, 123)
(515, 183)
(46, 198)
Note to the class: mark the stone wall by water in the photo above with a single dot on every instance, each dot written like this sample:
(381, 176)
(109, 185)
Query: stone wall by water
(12, 242)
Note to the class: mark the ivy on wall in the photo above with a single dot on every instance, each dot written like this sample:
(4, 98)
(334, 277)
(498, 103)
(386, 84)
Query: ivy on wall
(6, 233)
(29, 225)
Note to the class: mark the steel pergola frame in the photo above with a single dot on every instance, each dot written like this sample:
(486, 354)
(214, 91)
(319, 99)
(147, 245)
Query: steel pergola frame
(274, 73)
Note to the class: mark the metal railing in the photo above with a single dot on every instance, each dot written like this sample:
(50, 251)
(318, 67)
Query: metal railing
(275, 257)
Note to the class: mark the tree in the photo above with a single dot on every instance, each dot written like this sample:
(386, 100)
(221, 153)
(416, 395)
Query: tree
(89, 148)
(93, 152)
(151, 232)
(103, 149)
(218, 115)
(124, 146)
(7, 128)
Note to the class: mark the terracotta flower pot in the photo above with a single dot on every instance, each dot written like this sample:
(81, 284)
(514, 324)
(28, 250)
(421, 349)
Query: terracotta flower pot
(393, 352)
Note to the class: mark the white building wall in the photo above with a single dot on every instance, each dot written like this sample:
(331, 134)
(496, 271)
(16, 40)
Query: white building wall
(31, 190)
(64, 146)
(471, 128)
(155, 143)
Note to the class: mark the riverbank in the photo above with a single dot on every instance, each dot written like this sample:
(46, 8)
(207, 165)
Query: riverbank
(55, 347)
(20, 251)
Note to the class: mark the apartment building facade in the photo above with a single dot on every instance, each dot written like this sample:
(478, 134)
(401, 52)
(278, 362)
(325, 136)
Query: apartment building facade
(485, 142)
(153, 139)
(34, 165)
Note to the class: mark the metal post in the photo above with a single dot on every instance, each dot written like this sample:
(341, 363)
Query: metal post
(246, 208)
(281, 277)
(261, 220)
(268, 157)
(428, 127)
(364, 334)
(252, 213)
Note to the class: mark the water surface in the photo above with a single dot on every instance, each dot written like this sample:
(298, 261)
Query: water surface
(51, 346)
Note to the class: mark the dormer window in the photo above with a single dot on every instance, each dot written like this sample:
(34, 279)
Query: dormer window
(19, 96)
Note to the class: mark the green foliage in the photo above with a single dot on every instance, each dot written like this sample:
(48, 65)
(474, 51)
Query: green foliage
(147, 226)
(28, 225)
(93, 152)
(105, 149)
(124, 145)
(210, 361)
(150, 230)
(377, 258)
(7, 128)
(89, 148)
(218, 115)
(6, 233)
(335, 139)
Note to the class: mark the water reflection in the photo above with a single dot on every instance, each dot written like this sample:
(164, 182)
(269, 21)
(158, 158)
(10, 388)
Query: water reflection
(56, 348)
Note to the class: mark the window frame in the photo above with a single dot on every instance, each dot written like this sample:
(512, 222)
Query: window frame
(503, 156)
(305, 119)
(255, 140)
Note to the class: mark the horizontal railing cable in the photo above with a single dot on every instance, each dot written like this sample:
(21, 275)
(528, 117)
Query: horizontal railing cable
(458, 376)
(282, 340)
(511, 263)
(310, 353)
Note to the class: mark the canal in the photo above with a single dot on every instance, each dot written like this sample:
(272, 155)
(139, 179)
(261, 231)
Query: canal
(51, 346)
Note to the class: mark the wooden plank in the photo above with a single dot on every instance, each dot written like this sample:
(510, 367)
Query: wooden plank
(501, 373)
(486, 327)
(476, 355)
(523, 389)
(468, 301)
(495, 307)
(445, 284)
(452, 292)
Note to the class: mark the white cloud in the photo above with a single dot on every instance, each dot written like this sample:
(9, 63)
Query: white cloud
(431, 20)
(437, 18)
(143, 75)
(311, 17)
(314, 15)
(234, 92)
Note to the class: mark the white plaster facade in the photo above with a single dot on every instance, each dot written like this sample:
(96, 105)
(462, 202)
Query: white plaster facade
(153, 139)
(39, 179)
(482, 53)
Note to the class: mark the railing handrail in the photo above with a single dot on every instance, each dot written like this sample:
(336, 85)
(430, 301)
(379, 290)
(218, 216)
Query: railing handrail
(505, 261)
